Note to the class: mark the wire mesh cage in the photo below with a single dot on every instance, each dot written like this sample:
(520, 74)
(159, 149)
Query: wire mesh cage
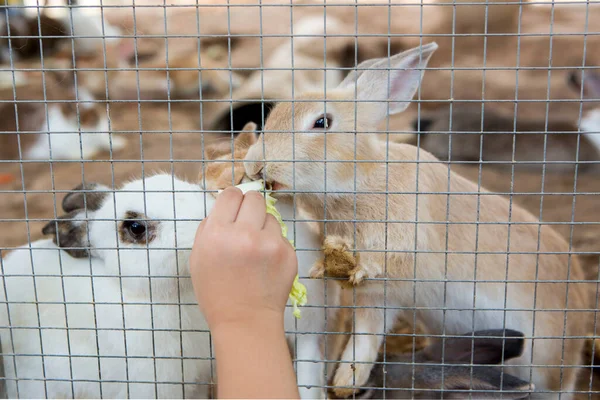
(434, 162)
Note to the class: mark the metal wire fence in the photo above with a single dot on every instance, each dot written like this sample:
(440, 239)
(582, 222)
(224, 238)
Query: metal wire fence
(442, 198)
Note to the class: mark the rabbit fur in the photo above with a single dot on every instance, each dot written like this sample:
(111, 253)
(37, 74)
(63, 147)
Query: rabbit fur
(28, 37)
(464, 358)
(488, 135)
(70, 125)
(458, 241)
(463, 132)
(323, 296)
(588, 85)
(106, 291)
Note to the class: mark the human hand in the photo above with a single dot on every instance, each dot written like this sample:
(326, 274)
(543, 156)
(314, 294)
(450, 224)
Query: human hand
(242, 267)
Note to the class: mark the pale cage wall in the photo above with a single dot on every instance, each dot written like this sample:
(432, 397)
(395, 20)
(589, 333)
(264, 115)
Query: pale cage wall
(442, 198)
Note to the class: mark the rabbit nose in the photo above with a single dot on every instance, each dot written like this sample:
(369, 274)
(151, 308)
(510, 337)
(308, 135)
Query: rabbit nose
(254, 169)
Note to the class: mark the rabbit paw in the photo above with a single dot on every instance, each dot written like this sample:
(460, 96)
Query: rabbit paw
(351, 376)
(357, 275)
(340, 262)
(317, 271)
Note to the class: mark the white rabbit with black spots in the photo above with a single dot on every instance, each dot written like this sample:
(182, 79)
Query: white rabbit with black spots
(111, 307)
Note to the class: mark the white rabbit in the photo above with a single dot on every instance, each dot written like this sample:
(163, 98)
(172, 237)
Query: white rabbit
(457, 256)
(74, 127)
(63, 134)
(304, 334)
(115, 316)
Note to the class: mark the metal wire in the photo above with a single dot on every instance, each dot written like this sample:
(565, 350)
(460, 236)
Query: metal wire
(135, 335)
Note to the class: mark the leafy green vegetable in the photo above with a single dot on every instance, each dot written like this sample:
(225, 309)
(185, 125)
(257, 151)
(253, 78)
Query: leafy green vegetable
(298, 294)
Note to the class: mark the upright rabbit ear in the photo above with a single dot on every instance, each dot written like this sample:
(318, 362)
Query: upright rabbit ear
(482, 347)
(353, 75)
(87, 195)
(392, 81)
(247, 137)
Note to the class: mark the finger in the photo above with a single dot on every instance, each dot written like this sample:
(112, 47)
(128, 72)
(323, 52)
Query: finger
(272, 225)
(201, 227)
(226, 206)
(253, 210)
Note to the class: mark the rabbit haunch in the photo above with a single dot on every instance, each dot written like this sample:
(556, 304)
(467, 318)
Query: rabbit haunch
(225, 168)
(477, 260)
(121, 274)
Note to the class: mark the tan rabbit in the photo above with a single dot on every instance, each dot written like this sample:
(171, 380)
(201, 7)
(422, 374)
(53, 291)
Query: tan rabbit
(458, 256)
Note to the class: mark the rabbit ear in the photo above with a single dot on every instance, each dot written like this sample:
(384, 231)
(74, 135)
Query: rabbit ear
(354, 74)
(88, 195)
(69, 232)
(247, 137)
(480, 382)
(393, 81)
(481, 347)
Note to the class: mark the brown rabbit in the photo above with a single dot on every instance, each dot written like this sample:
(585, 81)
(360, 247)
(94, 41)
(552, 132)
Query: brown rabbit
(465, 133)
(456, 255)
(470, 357)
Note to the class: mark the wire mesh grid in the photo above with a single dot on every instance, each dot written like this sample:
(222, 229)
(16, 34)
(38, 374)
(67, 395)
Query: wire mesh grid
(457, 207)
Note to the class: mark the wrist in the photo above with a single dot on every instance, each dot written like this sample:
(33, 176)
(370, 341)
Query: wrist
(259, 322)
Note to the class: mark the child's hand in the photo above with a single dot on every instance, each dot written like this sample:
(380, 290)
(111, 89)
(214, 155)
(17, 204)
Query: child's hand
(242, 267)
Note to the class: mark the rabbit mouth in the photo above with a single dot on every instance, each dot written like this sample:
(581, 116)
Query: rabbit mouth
(274, 186)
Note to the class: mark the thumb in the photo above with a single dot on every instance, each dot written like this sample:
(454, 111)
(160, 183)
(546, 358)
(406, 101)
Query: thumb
(200, 229)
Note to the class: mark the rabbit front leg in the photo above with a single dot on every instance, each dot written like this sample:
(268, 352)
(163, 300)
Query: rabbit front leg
(310, 367)
(341, 263)
(370, 326)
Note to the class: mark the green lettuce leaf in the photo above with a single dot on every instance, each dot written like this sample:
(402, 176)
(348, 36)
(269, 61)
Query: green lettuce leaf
(298, 294)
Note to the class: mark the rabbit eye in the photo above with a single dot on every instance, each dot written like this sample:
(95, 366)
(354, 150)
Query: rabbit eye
(135, 228)
(323, 122)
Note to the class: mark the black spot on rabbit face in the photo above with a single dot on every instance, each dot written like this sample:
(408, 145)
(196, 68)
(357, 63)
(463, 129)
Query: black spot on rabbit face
(70, 234)
(84, 196)
(137, 229)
